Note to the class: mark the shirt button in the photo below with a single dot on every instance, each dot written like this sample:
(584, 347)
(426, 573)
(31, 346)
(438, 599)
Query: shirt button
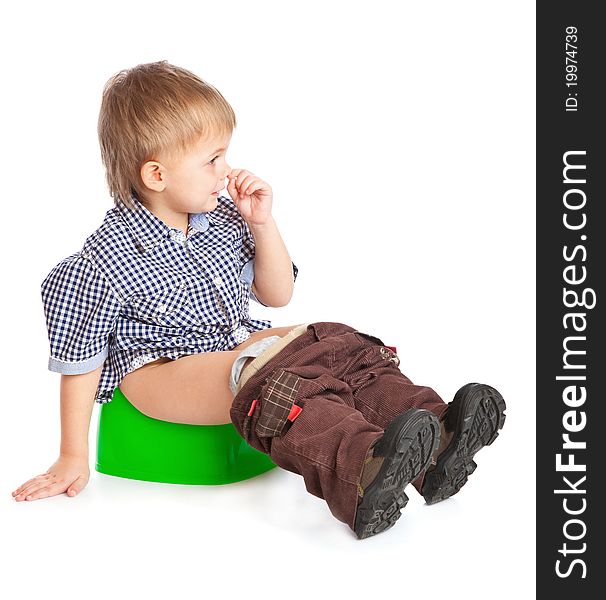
(218, 281)
(162, 308)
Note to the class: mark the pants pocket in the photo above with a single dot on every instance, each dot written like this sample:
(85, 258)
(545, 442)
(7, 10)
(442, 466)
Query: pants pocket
(385, 351)
(277, 400)
(368, 364)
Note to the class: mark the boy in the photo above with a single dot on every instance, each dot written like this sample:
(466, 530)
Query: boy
(157, 303)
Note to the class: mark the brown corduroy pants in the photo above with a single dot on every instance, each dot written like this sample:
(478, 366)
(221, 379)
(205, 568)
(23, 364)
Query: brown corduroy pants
(321, 402)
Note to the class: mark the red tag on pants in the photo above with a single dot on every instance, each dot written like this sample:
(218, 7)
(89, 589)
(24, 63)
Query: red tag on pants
(294, 412)
(252, 407)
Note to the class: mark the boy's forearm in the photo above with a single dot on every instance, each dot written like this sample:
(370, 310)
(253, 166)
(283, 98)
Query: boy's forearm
(273, 283)
(77, 400)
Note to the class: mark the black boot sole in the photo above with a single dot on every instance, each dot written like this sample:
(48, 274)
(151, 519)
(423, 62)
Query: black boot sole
(476, 415)
(407, 444)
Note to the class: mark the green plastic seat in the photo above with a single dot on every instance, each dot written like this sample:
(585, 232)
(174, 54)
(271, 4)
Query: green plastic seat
(133, 445)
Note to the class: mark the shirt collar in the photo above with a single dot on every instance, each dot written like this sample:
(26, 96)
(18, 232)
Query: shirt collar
(149, 230)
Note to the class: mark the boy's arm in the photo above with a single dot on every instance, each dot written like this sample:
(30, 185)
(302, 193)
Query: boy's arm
(273, 283)
(77, 400)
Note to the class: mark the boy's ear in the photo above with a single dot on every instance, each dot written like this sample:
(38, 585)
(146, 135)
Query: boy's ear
(153, 176)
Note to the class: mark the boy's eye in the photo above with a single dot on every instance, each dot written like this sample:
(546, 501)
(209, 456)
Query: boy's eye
(212, 162)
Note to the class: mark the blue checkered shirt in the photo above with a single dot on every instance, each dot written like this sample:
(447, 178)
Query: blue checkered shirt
(140, 290)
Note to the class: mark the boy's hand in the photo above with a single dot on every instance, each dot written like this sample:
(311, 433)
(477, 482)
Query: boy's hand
(251, 195)
(66, 473)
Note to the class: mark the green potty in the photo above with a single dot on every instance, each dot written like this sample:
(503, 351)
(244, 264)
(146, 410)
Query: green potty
(133, 445)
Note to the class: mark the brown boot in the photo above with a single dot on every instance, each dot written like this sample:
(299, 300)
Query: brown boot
(392, 462)
(472, 421)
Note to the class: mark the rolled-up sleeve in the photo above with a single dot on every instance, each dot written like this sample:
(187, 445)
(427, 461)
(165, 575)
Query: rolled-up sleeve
(247, 261)
(81, 311)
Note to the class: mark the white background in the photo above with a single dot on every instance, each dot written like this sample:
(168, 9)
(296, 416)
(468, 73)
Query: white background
(399, 140)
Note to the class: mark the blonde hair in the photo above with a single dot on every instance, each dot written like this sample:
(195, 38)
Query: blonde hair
(150, 109)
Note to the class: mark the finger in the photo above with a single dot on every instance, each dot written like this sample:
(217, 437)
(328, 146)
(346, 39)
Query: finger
(33, 486)
(29, 482)
(21, 487)
(233, 176)
(240, 173)
(246, 187)
(32, 489)
(251, 188)
(258, 185)
(76, 487)
(51, 489)
(231, 188)
(244, 183)
(239, 176)
(234, 173)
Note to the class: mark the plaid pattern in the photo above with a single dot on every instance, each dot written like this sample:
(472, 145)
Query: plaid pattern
(276, 403)
(139, 290)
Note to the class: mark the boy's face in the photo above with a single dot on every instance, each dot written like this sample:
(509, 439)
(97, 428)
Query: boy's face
(190, 183)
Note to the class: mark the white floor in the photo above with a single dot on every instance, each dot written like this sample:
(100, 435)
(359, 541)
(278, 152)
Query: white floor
(123, 538)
